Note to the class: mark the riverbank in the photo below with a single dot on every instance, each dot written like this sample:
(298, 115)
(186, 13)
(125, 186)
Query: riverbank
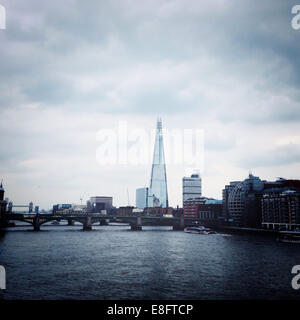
(254, 231)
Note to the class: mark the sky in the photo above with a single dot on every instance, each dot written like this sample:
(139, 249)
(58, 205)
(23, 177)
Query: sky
(71, 68)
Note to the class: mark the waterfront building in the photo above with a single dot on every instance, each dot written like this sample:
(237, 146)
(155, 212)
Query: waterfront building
(158, 191)
(125, 211)
(225, 195)
(158, 211)
(178, 212)
(203, 208)
(142, 196)
(209, 211)
(242, 200)
(281, 210)
(99, 203)
(3, 202)
(191, 187)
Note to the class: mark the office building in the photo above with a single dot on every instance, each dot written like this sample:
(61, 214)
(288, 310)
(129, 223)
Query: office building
(243, 200)
(142, 196)
(281, 210)
(225, 195)
(158, 191)
(99, 203)
(203, 208)
(191, 187)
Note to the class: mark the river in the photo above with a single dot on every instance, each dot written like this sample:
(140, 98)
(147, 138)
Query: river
(112, 262)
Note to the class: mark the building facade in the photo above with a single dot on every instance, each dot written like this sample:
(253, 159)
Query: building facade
(243, 200)
(158, 191)
(281, 210)
(142, 196)
(209, 212)
(157, 211)
(99, 203)
(225, 195)
(191, 187)
(125, 211)
(206, 209)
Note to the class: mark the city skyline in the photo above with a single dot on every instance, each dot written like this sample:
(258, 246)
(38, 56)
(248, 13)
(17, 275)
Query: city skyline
(230, 71)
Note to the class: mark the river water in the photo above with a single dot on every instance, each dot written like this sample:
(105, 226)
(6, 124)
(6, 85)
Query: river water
(112, 262)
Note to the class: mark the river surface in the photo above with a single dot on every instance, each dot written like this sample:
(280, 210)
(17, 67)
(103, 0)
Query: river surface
(112, 262)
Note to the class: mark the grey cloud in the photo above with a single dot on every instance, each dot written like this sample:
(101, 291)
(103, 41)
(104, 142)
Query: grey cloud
(207, 62)
(283, 155)
(149, 32)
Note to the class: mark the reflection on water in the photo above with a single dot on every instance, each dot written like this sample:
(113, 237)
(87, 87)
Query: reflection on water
(112, 262)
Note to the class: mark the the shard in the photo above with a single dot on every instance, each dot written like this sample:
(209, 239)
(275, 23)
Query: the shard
(158, 193)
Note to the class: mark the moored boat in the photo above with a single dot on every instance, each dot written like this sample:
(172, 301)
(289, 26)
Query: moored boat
(199, 230)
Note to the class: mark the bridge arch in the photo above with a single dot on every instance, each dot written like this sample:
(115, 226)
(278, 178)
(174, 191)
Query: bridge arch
(24, 220)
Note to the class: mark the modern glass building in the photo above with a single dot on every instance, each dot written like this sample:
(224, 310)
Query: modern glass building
(191, 187)
(158, 191)
(142, 197)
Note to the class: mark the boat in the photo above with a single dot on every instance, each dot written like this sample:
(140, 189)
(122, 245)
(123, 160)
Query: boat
(55, 222)
(199, 230)
(289, 236)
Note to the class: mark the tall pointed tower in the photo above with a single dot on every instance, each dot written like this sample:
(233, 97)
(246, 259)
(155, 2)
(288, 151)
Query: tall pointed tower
(158, 193)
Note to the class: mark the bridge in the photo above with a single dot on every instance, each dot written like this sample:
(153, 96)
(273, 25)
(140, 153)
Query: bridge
(88, 219)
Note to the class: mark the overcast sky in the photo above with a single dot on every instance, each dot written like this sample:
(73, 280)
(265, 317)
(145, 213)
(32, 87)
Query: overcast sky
(69, 68)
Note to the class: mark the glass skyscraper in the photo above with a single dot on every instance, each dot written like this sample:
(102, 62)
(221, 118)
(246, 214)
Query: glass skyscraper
(158, 191)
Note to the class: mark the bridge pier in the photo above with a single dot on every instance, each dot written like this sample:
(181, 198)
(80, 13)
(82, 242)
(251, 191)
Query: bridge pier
(71, 222)
(36, 223)
(87, 225)
(3, 222)
(181, 225)
(103, 223)
(138, 225)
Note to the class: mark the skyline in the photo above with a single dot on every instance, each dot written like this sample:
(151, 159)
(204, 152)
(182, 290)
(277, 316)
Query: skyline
(228, 69)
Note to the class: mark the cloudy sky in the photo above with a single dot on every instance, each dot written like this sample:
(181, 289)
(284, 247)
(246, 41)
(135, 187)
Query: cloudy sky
(70, 68)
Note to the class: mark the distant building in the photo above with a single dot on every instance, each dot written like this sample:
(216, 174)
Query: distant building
(209, 211)
(242, 203)
(158, 191)
(158, 211)
(190, 209)
(191, 187)
(178, 212)
(142, 196)
(99, 203)
(63, 206)
(225, 195)
(281, 210)
(125, 211)
(242, 200)
(203, 208)
(3, 204)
